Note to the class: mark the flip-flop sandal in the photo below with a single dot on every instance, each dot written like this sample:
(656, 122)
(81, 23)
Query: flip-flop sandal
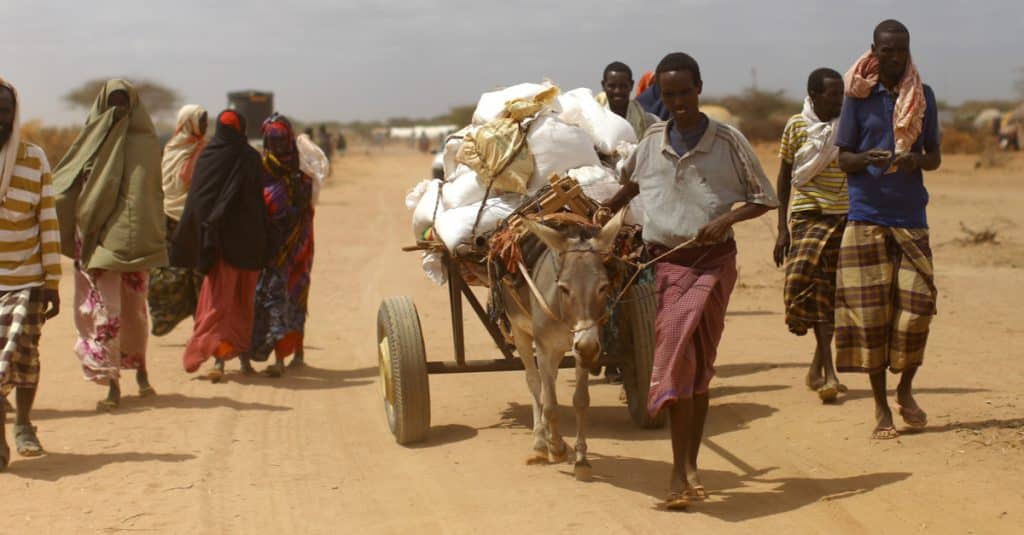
(677, 501)
(26, 441)
(215, 375)
(914, 418)
(274, 371)
(842, 388)
(828, 393)
(106, 405)
(147, 391)
(885, 433)
(697, 494)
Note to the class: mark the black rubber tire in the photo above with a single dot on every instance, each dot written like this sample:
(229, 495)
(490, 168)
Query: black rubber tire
(638, 311)
(399, 332)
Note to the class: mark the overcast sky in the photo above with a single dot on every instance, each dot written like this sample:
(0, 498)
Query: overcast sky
(370, 59)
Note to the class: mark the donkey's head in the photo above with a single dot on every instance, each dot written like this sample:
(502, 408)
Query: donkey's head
(583, 286)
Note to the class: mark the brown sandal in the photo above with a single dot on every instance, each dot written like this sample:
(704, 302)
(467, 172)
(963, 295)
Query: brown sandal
(676, 501)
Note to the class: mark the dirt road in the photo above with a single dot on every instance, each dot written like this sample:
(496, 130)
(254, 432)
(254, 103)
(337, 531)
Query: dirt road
(311, 453)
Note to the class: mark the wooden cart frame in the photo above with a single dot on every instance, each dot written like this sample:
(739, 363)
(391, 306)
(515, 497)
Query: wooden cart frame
(404, 367)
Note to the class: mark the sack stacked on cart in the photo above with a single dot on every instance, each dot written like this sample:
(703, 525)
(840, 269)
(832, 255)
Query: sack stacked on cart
(519, 138)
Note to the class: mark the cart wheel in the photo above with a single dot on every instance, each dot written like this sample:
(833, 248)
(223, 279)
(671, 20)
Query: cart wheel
(639, 308)
(403, 369)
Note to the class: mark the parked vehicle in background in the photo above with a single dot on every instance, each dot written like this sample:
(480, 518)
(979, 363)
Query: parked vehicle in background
(438, 166)
(256, 106)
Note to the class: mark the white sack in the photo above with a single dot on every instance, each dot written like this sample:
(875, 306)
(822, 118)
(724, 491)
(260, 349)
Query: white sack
(314, 163)
(492, 104)
(424, 198)
(557, 147)
(456, 226)
(463, 189)
(433, 266)
(605, 127)
(598, 182)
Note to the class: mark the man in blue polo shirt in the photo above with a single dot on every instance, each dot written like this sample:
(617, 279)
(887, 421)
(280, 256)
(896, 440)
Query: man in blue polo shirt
(885, 290)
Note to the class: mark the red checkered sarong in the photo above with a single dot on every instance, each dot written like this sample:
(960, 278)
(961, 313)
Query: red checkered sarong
(693, 287)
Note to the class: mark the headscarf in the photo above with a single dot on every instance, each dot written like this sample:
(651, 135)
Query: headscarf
(650, 99)
(107, 188)
(283, 168)
(908, 116)
(180, 155)
(224, 216)
(820, 148)
(645, 81)
(9, 152)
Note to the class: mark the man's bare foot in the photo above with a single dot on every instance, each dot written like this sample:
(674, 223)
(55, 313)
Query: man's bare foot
(298, 361)
(884, 430)
(910, 411)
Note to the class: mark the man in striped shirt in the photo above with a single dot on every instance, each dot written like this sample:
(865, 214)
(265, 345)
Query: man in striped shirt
(812, 215)
(29, 270)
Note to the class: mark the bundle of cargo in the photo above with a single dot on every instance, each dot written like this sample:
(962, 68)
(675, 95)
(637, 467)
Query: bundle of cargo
(522, 139)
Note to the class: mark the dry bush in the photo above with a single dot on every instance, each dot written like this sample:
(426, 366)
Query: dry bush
(54, 140)
(977, 237)
(957, 141)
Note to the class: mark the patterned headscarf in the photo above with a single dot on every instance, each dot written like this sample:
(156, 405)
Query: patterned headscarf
(179, 159)
(278, 127)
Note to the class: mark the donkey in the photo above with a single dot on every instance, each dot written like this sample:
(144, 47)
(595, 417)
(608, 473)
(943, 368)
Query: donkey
(571, 279)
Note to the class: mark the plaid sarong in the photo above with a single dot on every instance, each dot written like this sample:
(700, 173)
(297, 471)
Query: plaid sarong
(885, 298)
(693, 287)
(810, 289)
(21, 320)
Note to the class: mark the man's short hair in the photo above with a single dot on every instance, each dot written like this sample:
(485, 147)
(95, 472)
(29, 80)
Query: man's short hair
(678, 61)
(617, 66)
(890, 26)
(816, 81)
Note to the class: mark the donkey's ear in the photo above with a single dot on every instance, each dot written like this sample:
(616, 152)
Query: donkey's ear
(606, 238)
(551, 237)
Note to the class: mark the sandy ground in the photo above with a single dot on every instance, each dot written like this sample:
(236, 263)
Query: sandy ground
(312, 453)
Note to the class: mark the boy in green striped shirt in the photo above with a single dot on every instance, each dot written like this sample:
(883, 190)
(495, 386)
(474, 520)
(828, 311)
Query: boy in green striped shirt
(812, 216)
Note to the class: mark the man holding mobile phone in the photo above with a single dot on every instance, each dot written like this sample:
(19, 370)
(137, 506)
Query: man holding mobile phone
(885, 289)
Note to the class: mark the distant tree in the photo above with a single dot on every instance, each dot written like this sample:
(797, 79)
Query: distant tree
(461, 115)
(159, 99)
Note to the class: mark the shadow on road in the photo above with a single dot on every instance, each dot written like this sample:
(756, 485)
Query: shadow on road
(736, 370)
(306, 378)
(442, 435)
(613, 422)
(855, 394)
(132, 404)
(55, 466)
(737, 497)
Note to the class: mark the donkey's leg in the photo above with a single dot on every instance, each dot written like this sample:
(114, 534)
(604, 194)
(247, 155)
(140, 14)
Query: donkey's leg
(524, 346)
(581, 402)
(548, 360)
